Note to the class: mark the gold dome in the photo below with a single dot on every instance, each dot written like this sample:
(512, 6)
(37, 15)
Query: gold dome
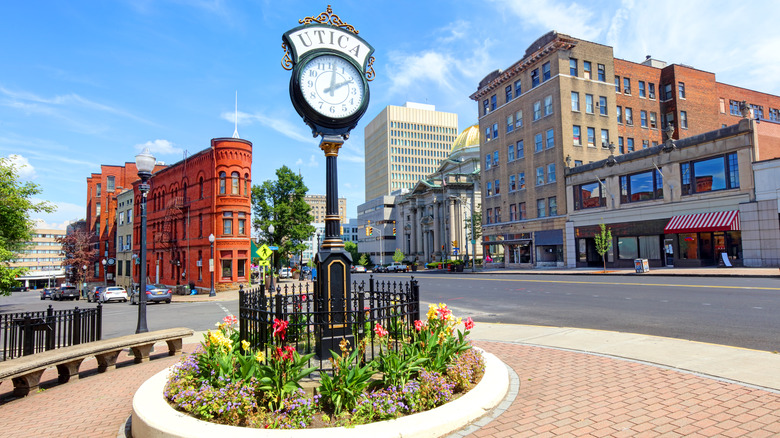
(469, 137)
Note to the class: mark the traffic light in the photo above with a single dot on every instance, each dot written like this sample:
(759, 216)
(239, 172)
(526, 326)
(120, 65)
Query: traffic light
(369, 231)
(454, 243)
(393, 231)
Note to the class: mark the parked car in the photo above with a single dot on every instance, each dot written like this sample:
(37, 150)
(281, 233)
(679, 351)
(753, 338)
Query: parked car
(358, 269)
(396, 267)
(47, 293)
(93, 296)
(285, 273)
(155, 293)
(379, 268)
(65, 293)
(113, 293)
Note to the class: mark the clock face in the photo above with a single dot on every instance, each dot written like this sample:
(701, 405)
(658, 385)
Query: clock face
(332, 86)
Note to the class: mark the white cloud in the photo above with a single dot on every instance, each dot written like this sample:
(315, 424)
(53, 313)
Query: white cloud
(565, 17)
(159, 147)
(311, 163)
(65, 213)
(282, 126)
(24, 169)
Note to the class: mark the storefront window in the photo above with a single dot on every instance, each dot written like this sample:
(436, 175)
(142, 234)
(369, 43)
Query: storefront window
(519, 253)
(688, 246)
(649, 247)
(627, 248)
(227, 269)
(588, 196)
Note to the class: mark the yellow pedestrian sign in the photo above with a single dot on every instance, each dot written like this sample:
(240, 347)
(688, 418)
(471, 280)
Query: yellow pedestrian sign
(264, 252)
(265, 262)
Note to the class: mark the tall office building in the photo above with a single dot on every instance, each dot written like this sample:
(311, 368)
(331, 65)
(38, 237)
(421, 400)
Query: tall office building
(404, 144)
(317, 204)
(43, 258)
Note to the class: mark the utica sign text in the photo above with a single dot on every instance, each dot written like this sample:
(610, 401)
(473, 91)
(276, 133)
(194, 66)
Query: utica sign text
(307, 38)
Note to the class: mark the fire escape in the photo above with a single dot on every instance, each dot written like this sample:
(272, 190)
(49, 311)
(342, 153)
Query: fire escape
(168, 239)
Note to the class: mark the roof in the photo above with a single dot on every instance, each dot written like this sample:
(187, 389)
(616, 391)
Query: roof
(468, 137)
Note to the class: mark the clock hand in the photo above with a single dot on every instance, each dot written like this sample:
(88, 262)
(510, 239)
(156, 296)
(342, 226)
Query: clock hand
(335, 87)
(332, 80)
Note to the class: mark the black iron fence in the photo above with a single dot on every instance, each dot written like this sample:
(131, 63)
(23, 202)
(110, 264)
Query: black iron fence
(393, 305)
(28, 333)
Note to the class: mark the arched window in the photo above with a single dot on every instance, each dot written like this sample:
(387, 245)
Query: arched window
(201, 188)
(235, 187)
(184, 192)
(247, 192)
(222, 176)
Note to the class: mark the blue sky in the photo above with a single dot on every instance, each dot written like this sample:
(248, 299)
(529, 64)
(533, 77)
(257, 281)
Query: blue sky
(85, 83)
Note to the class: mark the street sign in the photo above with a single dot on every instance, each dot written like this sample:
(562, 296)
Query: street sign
(273, 248)
(264, 252)
(264, 262)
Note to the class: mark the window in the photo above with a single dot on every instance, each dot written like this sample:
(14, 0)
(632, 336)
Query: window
(97, 228)
(538, 145)
(621, 146)
(110, 184)
(651, 90)
(121, 219)
(645, 144)
(550, 139)
(626, 85)
(487, 133)
(498, 215)
(200, 225)
(521, 180)
(493, 102)
(512, 212)
(774, 115)
(510, 153)
(546, 71)
(758, 111)
(591, 137)
(589, 103)
(241, 268)
(575, 101)
(234, 183)
(520, 150)
(485, 107)
(512, 183)
(629, 116)
(227, 268)
(603, 105)
(510, 123)
(521, 211)
(247, 191)
(630, 144)
(643, 118)
(241, 224)
(617, 84)
(97, 209)
(200, 182)
(121, 246)
(643, 186)
(602, 72)
(589, 196)
(548, 105)
(642, 89)
(128, 242)
(489, 189)
(576, 135)
(552, 206)
(577, 163)
(129, 215)
(669, 119)
(681, 90)
(535, 78)
(495, 130)
(653, 121)
(627, 248)
(541, 208)
(605, 138)
(497, 186)
(667, 94)
(551, 173)
(573, 67)
(222, 177)
(495, 158)
(619, 113)
(227, 223)
(710, 174)
(684, 119)
(519, 119)
(733, 109)
(539, 176)
(508, 91)
(537, 110)
(518, 88)
(587, 70)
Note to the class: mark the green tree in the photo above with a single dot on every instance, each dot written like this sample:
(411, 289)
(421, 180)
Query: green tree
(398, 256)
(16, 226)
(280, 203)
(477, 225)
(351, 248)
(363, 261)
(603, 243)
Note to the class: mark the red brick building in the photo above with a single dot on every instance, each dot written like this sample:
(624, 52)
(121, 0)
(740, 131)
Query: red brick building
(652, 94)
(206, 193)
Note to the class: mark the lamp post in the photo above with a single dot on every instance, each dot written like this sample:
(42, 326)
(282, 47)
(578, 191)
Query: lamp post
(273, 253)
(144, 163)
(105, 274)
(212, 292)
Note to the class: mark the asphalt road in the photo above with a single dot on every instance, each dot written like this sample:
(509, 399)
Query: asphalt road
(742, 312)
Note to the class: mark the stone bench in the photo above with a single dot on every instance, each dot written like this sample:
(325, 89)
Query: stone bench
(26, 371)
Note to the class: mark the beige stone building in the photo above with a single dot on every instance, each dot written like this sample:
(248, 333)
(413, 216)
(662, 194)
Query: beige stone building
(551, 107)
(404, 144)
(43, 258)
(124, 240)
(317, 204)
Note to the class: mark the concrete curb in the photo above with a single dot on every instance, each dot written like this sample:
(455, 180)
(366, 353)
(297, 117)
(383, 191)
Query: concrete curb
(154, 417)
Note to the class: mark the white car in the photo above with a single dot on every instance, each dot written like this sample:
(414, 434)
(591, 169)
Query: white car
(396, 267)
(285, 273)
(113, 293)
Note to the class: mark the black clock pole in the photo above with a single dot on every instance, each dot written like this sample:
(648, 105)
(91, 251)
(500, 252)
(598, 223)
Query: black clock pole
(332, 289)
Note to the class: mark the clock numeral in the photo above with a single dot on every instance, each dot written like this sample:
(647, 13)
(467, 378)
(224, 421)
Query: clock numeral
(352, 101)
(343, 108)
(332, 109)
(310, 83)
(312, 95)
(354, 91)
(312, 73)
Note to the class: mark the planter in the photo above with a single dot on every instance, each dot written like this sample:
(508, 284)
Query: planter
(458, 268)
(154, 417)
(414, 268)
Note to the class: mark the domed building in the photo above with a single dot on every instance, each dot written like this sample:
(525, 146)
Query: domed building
(434, 219)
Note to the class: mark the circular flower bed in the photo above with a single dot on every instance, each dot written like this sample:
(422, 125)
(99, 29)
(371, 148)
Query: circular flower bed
(227, 382)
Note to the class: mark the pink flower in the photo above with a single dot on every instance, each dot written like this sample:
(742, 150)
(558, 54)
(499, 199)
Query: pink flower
(280, 328)
(444, 312)
(418, 325)
(469, 323)
(230, 320)
(380, 331)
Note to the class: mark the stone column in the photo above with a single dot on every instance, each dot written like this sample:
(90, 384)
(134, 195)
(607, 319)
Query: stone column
(437, 234)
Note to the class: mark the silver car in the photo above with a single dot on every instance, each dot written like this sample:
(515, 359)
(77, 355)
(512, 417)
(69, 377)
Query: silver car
(113, 293)
(156, 293)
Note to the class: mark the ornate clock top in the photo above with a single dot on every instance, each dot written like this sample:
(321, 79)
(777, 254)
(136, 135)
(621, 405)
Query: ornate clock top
(328, 17)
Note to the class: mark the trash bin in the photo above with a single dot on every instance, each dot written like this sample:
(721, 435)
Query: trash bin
(641, 266)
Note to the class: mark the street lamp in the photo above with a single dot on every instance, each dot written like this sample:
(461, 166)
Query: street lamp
(84, 281)
(144, 163)
(212, 292)
(273, 253)
(105, 275)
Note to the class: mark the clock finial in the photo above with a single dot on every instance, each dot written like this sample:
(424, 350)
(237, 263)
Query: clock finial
(235, 132)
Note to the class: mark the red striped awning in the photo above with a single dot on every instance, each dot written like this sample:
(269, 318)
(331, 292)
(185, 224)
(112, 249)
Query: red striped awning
(715, 221)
